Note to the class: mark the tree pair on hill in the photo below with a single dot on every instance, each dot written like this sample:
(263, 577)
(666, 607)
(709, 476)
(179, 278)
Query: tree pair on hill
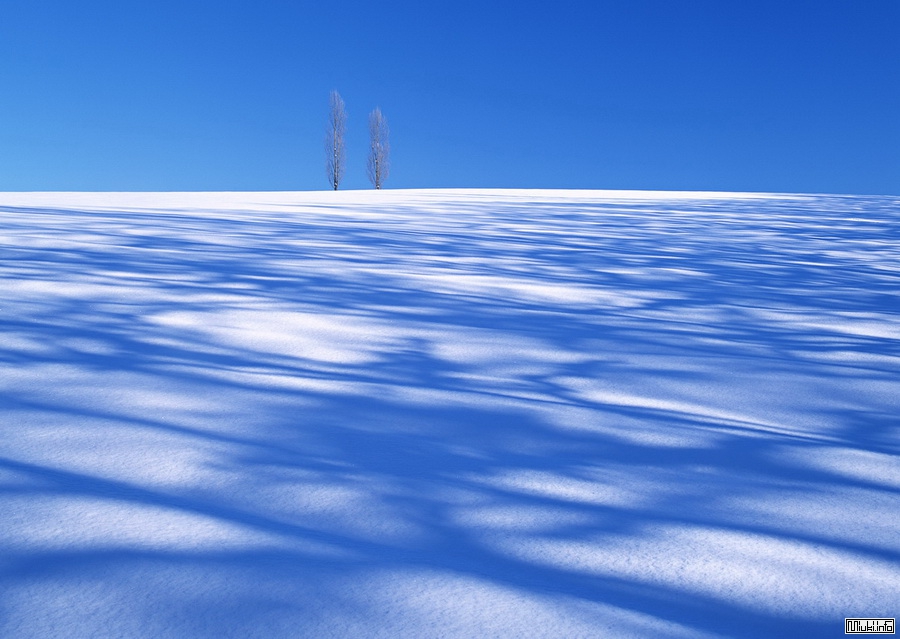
(378, 163)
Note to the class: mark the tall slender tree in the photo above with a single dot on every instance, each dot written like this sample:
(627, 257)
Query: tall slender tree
(334, 140)
(379, 164)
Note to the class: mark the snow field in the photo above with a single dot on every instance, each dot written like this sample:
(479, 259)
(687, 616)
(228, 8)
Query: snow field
(448, 413)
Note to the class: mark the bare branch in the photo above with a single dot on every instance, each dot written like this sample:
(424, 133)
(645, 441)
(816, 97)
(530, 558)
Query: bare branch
(379, 164)
(334, 140)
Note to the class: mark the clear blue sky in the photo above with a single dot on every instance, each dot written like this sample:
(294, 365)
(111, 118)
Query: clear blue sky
(786, 95)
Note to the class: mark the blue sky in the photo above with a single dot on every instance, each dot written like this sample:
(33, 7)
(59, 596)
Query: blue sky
(793, 95)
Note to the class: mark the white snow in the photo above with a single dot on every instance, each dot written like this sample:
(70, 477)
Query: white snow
(448, 413)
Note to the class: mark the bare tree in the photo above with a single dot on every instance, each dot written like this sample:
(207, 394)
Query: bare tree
(379, 164)
(334, 140)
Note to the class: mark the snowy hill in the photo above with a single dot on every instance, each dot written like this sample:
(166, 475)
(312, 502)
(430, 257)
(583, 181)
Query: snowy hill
(448, 414)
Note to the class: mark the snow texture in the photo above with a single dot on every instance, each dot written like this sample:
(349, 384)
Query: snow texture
(448, 413)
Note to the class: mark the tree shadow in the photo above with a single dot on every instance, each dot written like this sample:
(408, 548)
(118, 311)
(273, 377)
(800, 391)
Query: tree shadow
(446, 415)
